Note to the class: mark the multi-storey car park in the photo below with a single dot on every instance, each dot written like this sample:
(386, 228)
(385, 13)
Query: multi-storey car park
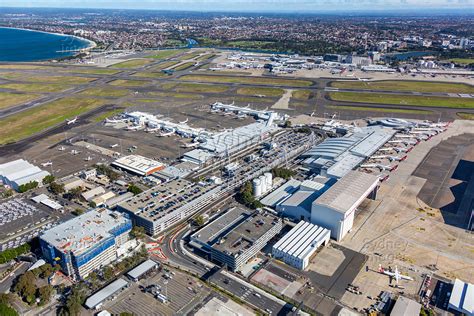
(166, 205)
(237, 236)
(87, 242)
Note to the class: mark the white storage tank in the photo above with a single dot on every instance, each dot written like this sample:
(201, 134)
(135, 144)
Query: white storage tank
(269, 180)
(257, 187)
(263, 180)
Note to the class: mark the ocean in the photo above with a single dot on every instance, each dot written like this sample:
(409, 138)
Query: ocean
(23, 45)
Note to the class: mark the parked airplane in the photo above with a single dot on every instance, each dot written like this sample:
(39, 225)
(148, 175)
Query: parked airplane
(74, 152)
(166, 134)
(394, 274)
(48, 163)
(184, 122)
(61, 148)
(260, 95)
(69, 122)
(114, 145)
(190, 145)
(88, 158)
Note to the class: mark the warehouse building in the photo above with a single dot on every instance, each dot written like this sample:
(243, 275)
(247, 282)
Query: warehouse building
(87, 242)
(142, 269)
(335, 157)
(405, 307)
(237, 236)
(462, 298)
(298, 246)
(96, 300)
(335, 208)
(298, 205)
(139, 165)
(18, 172)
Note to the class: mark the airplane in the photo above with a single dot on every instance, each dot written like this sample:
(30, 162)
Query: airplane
(134, 128)
(74, 152)
(362, 79)
(380, 166)
(394, 274)
(48, 163)
(260, 95)
(190, 145)
(114, 145)
(166, 134)
(69, 122)
(184, 122)
(152, 130)
(61, 148)
(88, 158)
(386, 149)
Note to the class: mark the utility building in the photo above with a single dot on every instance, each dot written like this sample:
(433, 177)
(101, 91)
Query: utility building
(336, 207)
(300, 243)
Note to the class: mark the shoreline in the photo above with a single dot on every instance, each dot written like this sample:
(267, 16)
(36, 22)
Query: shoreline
(91, 44)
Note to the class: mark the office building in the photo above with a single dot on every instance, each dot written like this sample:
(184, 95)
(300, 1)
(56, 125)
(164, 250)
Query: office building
(87, 242)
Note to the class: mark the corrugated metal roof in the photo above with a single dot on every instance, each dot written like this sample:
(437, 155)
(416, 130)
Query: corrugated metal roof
(105, 293)
(348, 191)
(462, 297)
(142, 268)
(281, 193)
(302, 239)
(405, 307)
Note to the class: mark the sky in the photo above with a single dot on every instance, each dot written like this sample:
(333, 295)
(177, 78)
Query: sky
(301, 6)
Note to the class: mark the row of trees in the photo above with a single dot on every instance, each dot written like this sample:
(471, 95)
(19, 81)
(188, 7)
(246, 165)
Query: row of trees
(109, 172)
(132, 187)
(27, 186)
(10, 254)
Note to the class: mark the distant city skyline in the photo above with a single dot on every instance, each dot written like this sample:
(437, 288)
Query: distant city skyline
(295, 6)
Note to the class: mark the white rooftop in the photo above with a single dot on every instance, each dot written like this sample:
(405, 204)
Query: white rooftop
(105, 293)
(348, 191)
(142, 268)
(21, 171)
(302, 240)
(81, 233)
(462, 297)
(138, 164)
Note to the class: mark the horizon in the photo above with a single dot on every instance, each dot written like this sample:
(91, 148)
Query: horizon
(262, 6)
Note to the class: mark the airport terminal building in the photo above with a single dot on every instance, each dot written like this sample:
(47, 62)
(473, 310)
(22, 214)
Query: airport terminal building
(87, 242)
(237, 236)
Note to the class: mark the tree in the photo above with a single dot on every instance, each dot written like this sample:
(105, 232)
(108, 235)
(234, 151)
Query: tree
(75, 300)
(44, 294)
(138, 232)
(6, 310)
(78, 211)
(27, 186)
(48, 179)
(25, 286)
(283, 173)
(56, 188)
(287, 124)
(75, 193)
(7, 193)
(92, 204)
(134, 189)
(200, 220)
(108, 273)
(10, 254)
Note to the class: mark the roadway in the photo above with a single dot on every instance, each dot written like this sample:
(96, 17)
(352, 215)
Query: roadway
(176, 253)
